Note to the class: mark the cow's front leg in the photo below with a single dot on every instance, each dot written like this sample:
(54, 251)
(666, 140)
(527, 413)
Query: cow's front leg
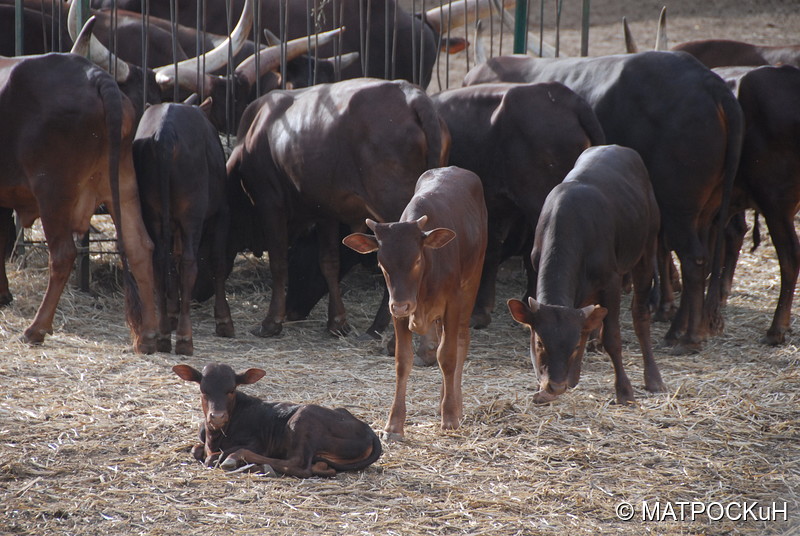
(404, 361)
(328, 232)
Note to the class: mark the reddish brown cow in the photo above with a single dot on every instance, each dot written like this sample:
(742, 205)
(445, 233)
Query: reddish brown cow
(687, 127)
(598, 225)
(432, 259)
(65, 153)
(331, 153)
(180, 167)
(301, 440)
(521, 140)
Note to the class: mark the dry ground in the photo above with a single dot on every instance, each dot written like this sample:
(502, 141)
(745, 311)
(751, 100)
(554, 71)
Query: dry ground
(94, 439)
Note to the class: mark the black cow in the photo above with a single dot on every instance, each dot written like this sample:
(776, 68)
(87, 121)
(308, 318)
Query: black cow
(301, 440)
(180, 168)
(598, 225)
(686, 125)
(521, 140)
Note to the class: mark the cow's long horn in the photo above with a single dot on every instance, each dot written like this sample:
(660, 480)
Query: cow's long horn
(661, 34)
(270, 57)
(214, 59)
(459, 12)
(81, 44)
(97, 52)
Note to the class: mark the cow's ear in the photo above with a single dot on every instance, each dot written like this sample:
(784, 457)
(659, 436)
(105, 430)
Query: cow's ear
(250, 376)
(185, 372)
(594, 315)
(438, 237)
(360, 242)
(520, 312)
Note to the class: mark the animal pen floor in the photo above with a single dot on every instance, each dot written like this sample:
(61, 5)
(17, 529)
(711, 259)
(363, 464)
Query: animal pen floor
(94, 439)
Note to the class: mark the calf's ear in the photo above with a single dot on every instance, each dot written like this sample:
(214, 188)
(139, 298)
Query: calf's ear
(594, 315)
(360, 242)
(185, 372)
(520, 312)
(438, 237)
(250, 376)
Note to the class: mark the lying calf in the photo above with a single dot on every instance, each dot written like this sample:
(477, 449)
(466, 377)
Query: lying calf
(301, 440)
(599, 224)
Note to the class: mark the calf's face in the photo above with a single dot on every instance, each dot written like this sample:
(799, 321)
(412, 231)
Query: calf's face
(218, 384)
(558, 339)
(401, 256)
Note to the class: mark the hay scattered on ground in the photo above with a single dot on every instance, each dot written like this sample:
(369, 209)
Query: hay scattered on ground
(94, 439)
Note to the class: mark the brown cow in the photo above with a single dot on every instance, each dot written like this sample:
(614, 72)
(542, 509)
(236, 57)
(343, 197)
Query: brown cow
(432, 260)
(598, 225)
(521, 140)
(180, 168)
(65, 153)
(686, 125)
(301, 440)
(331, 153)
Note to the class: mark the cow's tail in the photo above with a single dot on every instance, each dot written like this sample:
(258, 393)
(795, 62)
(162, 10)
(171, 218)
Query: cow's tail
(168, 145)
(113, 106)
(435, 129)
(732, 120)
(756, 232)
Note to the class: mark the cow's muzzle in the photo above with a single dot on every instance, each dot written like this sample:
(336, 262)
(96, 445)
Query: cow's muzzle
(402, 309)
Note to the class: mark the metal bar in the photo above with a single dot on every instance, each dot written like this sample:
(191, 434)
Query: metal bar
(585, 28)
(521, 27)
(19, 27)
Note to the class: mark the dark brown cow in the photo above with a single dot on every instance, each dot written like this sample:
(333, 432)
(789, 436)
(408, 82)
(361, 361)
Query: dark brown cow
(521, 140)
(726, 53)
(180, 167)
(301, 440)
(65, 153)
(330, 153)
(769, 175)
(686, 125)
(598, 225)
(432, 260)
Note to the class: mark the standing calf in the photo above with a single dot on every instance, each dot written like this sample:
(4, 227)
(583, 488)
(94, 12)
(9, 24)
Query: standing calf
(301, 440)
(432, 260)
(180, 168)
(599, 224)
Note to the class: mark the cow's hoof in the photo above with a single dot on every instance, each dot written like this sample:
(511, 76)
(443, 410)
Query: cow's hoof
(184, 346)
(425, 357)
(294, 316)
(229, 464)
(625, 399)
(686, 347)
(543, 397)
(164, 344)
(267, 329)
(392, 436)
(774, 337)
(225, 329)
(33, 337)
(6, 298)
(145, 344)
(339, 329)
(480, 320)
(665, 313)
(655, 386)
(594, 346)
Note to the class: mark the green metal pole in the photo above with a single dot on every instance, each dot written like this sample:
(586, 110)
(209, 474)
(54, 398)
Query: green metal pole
(19, 29)
(585, 29)
(521, 27)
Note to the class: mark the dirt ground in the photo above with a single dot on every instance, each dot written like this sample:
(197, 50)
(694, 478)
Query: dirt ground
(94, 439)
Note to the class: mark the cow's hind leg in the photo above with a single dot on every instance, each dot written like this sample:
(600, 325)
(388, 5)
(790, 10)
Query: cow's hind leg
(184, 344)
(787, 246)
(6, 243)
(62, 255)
(329, 265)
(222, 311)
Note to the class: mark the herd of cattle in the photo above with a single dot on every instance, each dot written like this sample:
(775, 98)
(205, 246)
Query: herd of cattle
(593, 169)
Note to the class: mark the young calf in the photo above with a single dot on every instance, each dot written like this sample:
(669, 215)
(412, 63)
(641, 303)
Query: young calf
(432, 260)
(301, 440)
(180, 168)
(599, 224)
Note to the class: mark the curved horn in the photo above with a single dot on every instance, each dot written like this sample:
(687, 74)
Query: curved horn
(459, 12)
(630, 43)
(214, 59)
(97, 52)
(661, 34)
(81, 45)
(270, 58)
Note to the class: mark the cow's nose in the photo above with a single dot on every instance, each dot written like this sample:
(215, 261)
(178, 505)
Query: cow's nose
(401, 309)
(217, 418)
(556, 388)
